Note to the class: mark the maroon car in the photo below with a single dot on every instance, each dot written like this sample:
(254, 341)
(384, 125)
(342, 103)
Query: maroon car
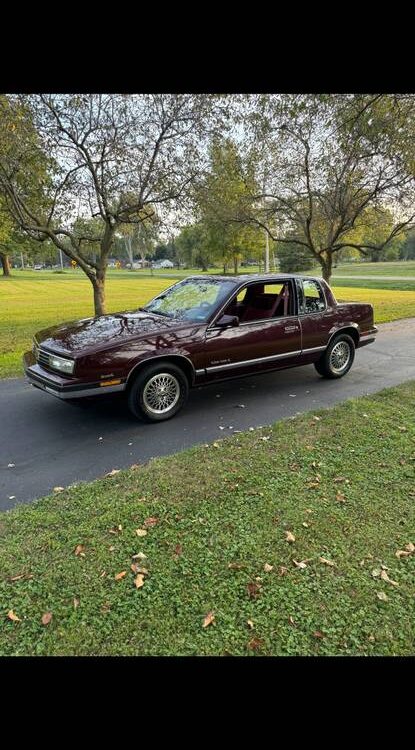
(198, 331)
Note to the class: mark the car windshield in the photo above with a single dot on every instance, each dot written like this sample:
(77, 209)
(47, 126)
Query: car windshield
(192, 299)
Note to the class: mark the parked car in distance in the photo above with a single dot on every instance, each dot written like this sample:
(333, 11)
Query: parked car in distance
(38, 267)
(198, 331)
(163, 264)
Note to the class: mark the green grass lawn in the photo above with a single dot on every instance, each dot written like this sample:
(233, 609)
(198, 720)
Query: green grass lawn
(217, 518)
(31, 300)
(387, 268)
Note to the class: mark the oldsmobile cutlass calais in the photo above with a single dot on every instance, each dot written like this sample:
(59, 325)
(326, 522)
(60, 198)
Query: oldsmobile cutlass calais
(198, 331)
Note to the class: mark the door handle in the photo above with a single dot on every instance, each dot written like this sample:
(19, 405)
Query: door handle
(289, 329)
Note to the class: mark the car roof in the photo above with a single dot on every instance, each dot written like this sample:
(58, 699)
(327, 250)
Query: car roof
(241, 278)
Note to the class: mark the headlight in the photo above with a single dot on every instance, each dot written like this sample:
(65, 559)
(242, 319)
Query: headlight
(59, 363)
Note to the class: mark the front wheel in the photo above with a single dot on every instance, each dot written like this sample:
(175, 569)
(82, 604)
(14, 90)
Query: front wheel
(158, 392)
(338, 357)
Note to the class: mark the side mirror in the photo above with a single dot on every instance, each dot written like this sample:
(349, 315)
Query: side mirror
(227, 321)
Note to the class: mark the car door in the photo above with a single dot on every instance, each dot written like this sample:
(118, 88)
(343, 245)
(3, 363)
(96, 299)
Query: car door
(316, 316)
(253, 345)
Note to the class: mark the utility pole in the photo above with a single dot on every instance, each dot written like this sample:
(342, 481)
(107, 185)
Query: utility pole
(21, 255)
(266, 252)
(266, 264)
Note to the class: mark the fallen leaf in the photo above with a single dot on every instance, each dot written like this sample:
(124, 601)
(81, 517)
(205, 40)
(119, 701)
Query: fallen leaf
(134, 466)
(282, 570)
(318, 634)
(138, 569)
(58, 489)
(289, 537)
(178, 550)
(208, 620)
(340, 497)
(402, 461)
(384, 576)
(140, 532)
(317, 419)
(339, 479)
(235, 566)
(11, 615)
(121, 575)
(112, 548)
(250, 624)
(327, 562)
(139, 581)
(403, 429)
(306, 525)
(302, 564)
(255, 644)
(76, 603)
(376, 573)
(382, 596)
(139, 556)
(215, 445)
(292, 622)
(112, 473)
(46, 618)
(151, 521)
(253, 590)
(268, 568)
(26, 576)
(79, 549)
(409, 549)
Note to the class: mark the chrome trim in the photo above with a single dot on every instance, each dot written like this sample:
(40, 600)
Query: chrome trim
(373, 333)
(246, 362)
(344, 328)
(200, 372)
(267, 320)
(162, 356)
(313, 349)
(79, 394)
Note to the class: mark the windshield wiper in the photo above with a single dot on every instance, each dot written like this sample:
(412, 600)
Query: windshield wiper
(155, 312)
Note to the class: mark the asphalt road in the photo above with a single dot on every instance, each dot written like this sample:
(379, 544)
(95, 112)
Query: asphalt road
(45, 442)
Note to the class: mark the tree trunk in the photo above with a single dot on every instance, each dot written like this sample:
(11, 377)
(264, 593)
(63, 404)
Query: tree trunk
(98, 283)
(98, 279)
(326, 265)
(5, 262)
(235, 263)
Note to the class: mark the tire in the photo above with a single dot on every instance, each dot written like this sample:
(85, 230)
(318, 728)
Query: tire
(158, 392)
(337, 360)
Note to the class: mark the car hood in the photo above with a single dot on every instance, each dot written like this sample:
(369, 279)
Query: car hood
(88, 334)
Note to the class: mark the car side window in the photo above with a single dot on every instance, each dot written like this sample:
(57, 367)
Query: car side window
(312, 298)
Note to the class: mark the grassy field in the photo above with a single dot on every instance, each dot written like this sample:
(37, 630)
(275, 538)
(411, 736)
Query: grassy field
(390, 268)
(284, 539)
(30, 301)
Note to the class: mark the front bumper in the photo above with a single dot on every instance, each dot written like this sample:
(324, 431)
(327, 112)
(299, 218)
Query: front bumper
(64, 387)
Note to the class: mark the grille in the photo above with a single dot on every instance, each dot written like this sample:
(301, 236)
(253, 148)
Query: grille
(42, 357)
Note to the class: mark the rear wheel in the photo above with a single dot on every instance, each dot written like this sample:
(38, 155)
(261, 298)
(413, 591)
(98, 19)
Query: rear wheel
(158, 392)
(338, 357)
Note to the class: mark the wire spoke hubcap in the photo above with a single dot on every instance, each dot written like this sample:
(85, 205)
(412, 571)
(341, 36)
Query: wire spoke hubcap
(161, 393)
(340, 356)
